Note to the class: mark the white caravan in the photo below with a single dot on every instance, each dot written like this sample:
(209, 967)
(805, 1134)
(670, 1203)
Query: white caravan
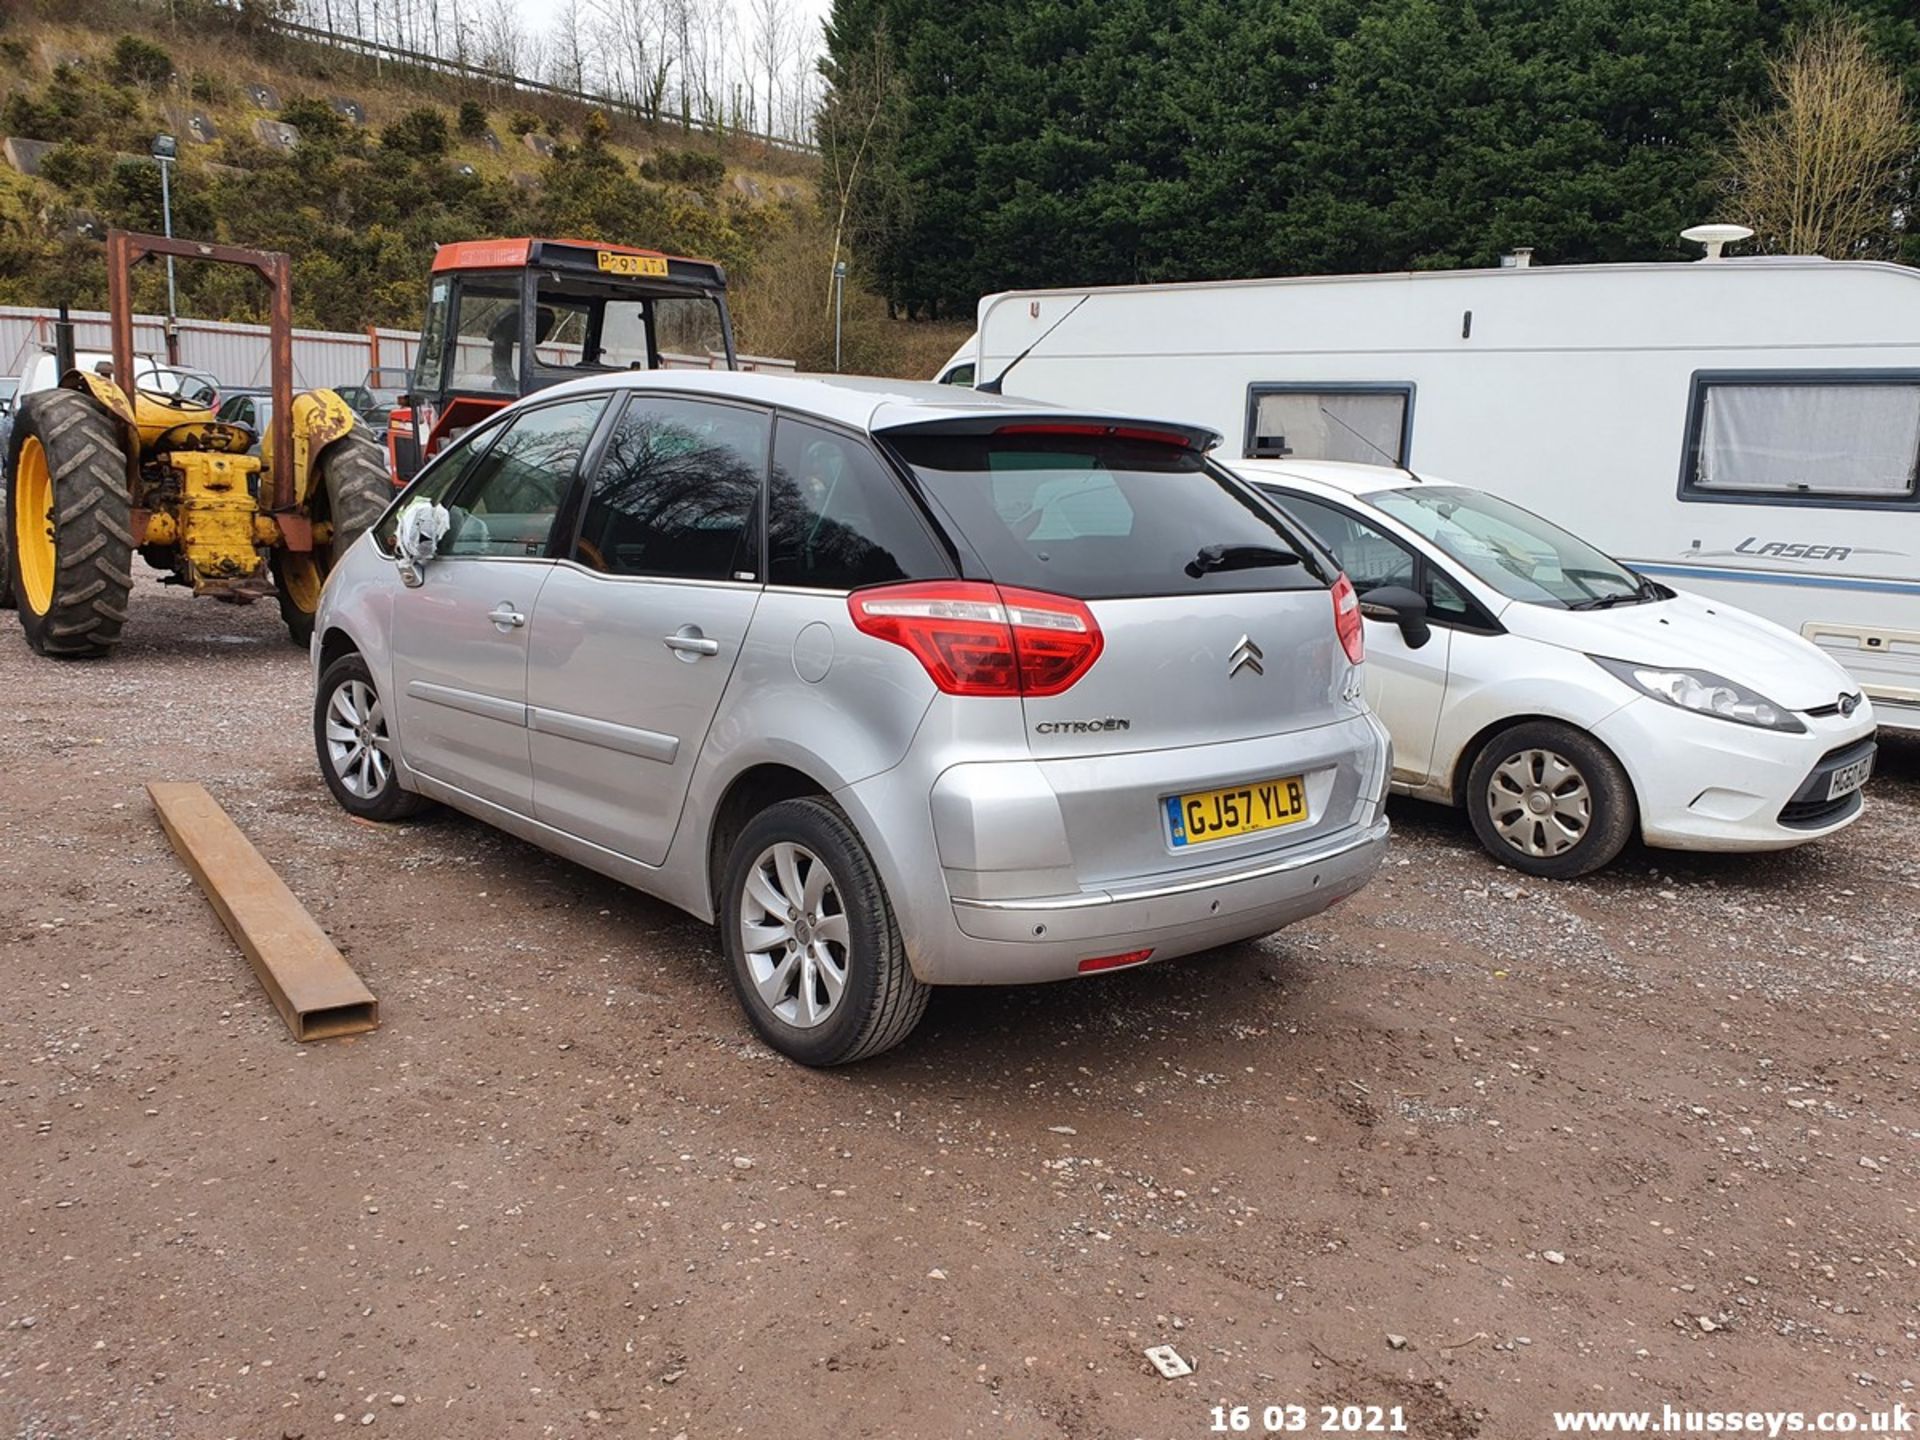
(1748, 429)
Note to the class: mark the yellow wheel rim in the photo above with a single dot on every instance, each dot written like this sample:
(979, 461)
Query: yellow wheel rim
(300, 577)
(33, 553)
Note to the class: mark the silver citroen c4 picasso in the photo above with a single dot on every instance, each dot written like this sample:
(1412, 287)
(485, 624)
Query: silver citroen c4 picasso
(898, 686)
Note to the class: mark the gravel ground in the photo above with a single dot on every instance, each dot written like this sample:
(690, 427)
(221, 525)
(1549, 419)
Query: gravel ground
(1470, 1144)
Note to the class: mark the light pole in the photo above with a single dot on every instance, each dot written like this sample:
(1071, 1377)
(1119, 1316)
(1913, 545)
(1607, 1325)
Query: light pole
(839, 295)
(165, 152)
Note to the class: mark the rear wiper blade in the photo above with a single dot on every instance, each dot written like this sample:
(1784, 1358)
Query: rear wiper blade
(1238, 557)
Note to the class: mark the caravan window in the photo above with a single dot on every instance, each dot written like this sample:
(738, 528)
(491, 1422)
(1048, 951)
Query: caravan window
(1851, 439)
(1366, 424)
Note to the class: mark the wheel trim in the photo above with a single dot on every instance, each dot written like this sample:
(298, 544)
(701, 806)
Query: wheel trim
(34, 558)
(1539, 803)
(357, 743)
(795, 934)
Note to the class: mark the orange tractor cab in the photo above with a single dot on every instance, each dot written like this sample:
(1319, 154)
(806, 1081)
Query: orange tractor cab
(508, 317)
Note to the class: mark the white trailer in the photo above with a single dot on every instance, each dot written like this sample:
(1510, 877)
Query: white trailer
(1745, 428)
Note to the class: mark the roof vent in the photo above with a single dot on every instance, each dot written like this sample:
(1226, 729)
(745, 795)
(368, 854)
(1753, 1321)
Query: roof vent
(1716, 236)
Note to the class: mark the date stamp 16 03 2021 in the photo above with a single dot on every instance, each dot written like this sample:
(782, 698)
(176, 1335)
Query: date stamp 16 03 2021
(1307, 1420)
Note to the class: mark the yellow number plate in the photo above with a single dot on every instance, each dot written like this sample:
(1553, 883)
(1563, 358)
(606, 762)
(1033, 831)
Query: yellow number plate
(1208, 815)
(616, 264)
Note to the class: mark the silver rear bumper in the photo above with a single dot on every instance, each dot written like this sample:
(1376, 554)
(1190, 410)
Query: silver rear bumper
(997, 942)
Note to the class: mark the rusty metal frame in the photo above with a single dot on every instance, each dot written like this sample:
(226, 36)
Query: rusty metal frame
(126, 249)
(310, 983)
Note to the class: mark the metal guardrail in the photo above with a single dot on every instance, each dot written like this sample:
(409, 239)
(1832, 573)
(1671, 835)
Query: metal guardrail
(378, 50)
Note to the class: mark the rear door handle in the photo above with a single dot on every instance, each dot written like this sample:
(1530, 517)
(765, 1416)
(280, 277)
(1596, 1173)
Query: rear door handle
(505, 617)
(689, 644)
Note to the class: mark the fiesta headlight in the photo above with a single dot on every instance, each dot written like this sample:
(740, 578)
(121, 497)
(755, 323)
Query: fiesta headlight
(1704, 693)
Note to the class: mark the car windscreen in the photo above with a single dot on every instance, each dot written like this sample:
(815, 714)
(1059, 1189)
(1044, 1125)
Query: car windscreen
(1101, 516)
(1513, 550)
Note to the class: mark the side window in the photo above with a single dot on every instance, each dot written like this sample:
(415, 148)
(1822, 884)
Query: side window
(837, 519)
(1367, 424)
(434, 481)
(1378, 559)
(1370, 558)
(506, 502)
(1790, 437)
(959, 375)
(433, 339)
(1444, 600)
(678, 493)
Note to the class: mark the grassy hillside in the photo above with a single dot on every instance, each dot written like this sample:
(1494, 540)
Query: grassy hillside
(360, 206)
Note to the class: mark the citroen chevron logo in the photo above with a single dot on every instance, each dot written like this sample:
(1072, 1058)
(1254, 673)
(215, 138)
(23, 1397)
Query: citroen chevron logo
(1246, 656)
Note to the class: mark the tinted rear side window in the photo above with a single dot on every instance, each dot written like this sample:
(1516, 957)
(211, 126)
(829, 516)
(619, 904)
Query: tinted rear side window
(1098, 517)
(678, 492)
(837, 520)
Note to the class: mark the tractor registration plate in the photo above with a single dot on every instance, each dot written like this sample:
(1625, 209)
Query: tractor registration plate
(617, 264)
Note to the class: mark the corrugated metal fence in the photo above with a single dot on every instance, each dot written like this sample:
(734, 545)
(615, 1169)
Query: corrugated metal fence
(236, 354)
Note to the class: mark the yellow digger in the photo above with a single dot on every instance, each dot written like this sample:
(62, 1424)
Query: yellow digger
(99, 468)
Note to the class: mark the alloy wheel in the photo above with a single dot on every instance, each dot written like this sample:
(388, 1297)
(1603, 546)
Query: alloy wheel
(357, 744)
(793, 929)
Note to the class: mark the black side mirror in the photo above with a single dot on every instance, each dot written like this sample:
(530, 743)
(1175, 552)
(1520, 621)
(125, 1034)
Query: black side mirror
(1399, 606)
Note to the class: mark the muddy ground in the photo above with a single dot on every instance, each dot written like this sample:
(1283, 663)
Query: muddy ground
(1644, 1138)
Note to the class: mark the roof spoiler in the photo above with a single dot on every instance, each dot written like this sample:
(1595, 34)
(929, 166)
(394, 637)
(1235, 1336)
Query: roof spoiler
(1198, 438)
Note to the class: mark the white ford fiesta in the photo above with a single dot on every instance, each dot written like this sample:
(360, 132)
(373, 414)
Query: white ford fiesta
(1564, 700)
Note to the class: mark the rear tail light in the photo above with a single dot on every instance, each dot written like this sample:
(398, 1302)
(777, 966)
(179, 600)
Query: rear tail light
(1346, 619)
(980, 639)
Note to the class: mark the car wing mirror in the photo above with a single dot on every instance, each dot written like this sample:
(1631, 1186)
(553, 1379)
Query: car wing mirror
(417, 539)
(1397, 605)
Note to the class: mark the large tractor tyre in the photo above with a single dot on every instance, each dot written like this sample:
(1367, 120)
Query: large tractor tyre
(69, 524)
(352, 495)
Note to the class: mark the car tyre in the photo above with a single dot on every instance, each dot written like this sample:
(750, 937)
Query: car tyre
(355, 744)
(813, 950)
(1550, 800)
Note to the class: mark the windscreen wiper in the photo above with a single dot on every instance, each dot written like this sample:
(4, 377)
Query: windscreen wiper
(1607, 602)
(1238, 557)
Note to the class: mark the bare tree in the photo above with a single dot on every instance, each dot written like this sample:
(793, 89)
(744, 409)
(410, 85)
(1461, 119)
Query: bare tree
(568, 49)
(857, 126)
(773, 24)
(718, 64)
(1821, 172)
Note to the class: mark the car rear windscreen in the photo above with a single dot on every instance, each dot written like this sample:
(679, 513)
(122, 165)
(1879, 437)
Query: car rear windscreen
(1103, 517)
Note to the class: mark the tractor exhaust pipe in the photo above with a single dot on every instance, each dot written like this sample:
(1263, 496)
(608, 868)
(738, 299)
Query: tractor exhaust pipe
(63, 341)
